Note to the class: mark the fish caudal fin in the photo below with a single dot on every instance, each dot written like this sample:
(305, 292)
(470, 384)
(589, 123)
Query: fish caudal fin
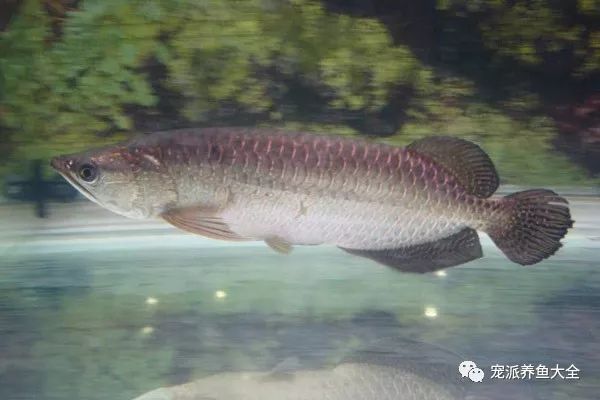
(533, 225)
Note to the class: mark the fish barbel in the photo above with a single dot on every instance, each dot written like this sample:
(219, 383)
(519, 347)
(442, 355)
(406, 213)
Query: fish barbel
(415, 209)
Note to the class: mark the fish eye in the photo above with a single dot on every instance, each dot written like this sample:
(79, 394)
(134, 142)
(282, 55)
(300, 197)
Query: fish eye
(88, 172)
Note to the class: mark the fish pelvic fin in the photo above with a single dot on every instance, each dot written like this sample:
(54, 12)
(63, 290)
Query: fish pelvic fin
(469, 164)
(450, 251)
(531, 226)
(278, 244)
(201, 221)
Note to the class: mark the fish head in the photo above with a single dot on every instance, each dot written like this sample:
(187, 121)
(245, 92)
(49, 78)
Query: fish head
(117, 178)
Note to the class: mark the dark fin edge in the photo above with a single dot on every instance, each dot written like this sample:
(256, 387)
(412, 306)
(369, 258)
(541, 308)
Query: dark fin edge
(469, 164)
(533, 225)
(450, 251)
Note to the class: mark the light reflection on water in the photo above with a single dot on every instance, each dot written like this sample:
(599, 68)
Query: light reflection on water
(93, 306)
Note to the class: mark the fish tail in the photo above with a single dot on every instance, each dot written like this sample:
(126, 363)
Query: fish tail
(531, 225)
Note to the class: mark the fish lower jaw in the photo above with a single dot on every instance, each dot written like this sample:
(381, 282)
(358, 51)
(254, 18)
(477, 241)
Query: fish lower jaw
(139, 214)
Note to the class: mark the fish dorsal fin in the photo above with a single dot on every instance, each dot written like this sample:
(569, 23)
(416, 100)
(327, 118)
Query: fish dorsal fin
(278, 244)
(469, 164)
(455, 249)
(201, 221)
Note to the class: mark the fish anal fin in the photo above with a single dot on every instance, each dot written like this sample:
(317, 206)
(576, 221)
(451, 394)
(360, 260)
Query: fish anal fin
(279, 245)
(469, 164)
(201, 221)
(450, 251)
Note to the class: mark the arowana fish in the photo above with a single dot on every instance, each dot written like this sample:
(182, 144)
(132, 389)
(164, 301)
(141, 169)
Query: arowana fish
(415, 208)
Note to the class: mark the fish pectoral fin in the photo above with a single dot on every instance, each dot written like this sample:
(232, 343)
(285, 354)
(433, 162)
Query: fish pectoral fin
(201, 221)
(469, 164)
(279, 245)
(450, 251)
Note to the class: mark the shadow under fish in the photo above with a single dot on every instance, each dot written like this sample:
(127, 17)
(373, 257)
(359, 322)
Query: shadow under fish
(393, 369)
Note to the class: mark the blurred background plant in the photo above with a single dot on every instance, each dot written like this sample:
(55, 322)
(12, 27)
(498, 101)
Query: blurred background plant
(519, 77)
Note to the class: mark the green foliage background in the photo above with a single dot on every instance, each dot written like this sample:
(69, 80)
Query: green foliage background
(114, 64)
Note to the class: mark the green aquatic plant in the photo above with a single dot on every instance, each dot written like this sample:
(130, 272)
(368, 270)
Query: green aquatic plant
(291, 64)
(60, 94)
(536, 33)
(220, 54)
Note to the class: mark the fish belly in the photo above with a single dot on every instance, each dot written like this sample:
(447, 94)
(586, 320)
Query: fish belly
(307, 220)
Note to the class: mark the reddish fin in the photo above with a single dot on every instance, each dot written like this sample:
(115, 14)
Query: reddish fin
(469, 164)
(201, 221)
(450, 251)
(533, 225)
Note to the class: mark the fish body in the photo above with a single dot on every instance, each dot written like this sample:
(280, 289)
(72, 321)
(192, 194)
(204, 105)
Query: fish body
(415, 208)
(349, 381)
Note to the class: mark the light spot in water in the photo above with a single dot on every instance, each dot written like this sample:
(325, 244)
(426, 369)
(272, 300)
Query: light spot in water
(441, 274)
(147, 330)
(151, 301)
(431, 312)
(220, 294)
